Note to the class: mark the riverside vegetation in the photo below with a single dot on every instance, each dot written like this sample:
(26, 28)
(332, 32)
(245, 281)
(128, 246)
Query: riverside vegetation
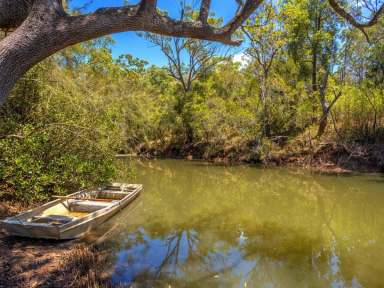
(309, 90)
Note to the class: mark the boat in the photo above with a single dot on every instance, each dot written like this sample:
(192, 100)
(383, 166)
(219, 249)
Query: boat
(72, 216)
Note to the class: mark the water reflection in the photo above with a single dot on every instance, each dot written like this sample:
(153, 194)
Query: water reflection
(206, 226)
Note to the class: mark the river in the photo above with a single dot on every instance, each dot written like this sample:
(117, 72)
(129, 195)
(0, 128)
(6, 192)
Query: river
(202, 225)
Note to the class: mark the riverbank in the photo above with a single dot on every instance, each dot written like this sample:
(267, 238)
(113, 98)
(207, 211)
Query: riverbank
(321, 157)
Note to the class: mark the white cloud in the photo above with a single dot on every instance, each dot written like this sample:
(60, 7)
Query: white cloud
(241, 58)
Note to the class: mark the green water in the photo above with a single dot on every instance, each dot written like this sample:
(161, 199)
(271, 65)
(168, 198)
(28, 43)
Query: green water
(199, 225)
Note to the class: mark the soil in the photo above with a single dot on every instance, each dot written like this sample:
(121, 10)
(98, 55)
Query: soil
(29, 263)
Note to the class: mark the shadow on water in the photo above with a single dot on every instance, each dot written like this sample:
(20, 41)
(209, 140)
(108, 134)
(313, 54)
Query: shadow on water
(199, 225)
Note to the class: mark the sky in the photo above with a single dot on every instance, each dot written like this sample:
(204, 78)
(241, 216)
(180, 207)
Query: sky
(130, 43)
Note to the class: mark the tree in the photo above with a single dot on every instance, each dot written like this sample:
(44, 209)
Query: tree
(323, 27)
(44, 27)
(188, 60)
(266, 38)
(313, 31)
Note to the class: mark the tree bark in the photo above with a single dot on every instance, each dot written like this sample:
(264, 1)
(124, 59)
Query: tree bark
(325, 107)
(14, 12)
(323, 123)
(314, 70)
(38, 37)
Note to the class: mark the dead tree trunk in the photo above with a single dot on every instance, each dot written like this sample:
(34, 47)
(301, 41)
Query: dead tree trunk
(325, 107)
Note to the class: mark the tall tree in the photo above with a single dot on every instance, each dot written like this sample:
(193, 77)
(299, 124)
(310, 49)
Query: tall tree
(188, 60)
(266, 37)
(313, 30)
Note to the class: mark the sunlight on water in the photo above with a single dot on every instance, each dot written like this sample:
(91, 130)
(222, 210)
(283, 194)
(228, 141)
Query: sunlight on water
(200, 225)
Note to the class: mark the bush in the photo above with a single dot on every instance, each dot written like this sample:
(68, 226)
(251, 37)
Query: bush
(60, 141)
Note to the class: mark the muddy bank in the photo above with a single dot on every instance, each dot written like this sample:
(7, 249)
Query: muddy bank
(328, 157)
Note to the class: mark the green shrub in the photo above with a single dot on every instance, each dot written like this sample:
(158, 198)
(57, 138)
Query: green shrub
(63, 140)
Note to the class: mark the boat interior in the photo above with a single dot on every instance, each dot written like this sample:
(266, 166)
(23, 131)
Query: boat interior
(75, 206)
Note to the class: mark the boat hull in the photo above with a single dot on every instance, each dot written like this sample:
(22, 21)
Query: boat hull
(30, 231)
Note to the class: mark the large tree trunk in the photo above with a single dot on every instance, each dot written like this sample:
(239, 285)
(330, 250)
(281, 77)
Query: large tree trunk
(10, 70)
(33, 41)
(14, 12)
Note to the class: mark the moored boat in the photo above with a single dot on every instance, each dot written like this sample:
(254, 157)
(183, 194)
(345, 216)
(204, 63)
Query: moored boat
(72, 216)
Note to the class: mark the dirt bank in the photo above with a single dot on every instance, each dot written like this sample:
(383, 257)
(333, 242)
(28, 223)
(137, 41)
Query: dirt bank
(322, 157)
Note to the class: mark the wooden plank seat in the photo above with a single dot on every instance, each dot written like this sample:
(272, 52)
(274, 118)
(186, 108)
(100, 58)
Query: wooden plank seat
(113, 195)
(88, 205)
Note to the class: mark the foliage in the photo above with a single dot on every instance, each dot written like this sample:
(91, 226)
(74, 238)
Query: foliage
(57, 135)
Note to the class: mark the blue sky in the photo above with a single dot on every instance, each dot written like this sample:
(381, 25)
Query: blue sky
(130, 43)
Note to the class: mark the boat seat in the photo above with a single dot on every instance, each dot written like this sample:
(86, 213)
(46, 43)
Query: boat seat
(88, 205)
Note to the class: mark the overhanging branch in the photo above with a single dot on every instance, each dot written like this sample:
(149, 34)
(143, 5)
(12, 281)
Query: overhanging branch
(248, 8)
(204, 11)
(355, 23)
(144, 17)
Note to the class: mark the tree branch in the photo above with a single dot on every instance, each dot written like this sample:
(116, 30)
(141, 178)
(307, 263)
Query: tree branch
(148, 6)
(111, 20)
(249, 7)
(355, 23)
(139, 17)
(204, 11)
(14, 12)
(47, 29)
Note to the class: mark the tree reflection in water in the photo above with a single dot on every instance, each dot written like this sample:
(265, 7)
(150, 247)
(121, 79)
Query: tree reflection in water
(198, 225)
